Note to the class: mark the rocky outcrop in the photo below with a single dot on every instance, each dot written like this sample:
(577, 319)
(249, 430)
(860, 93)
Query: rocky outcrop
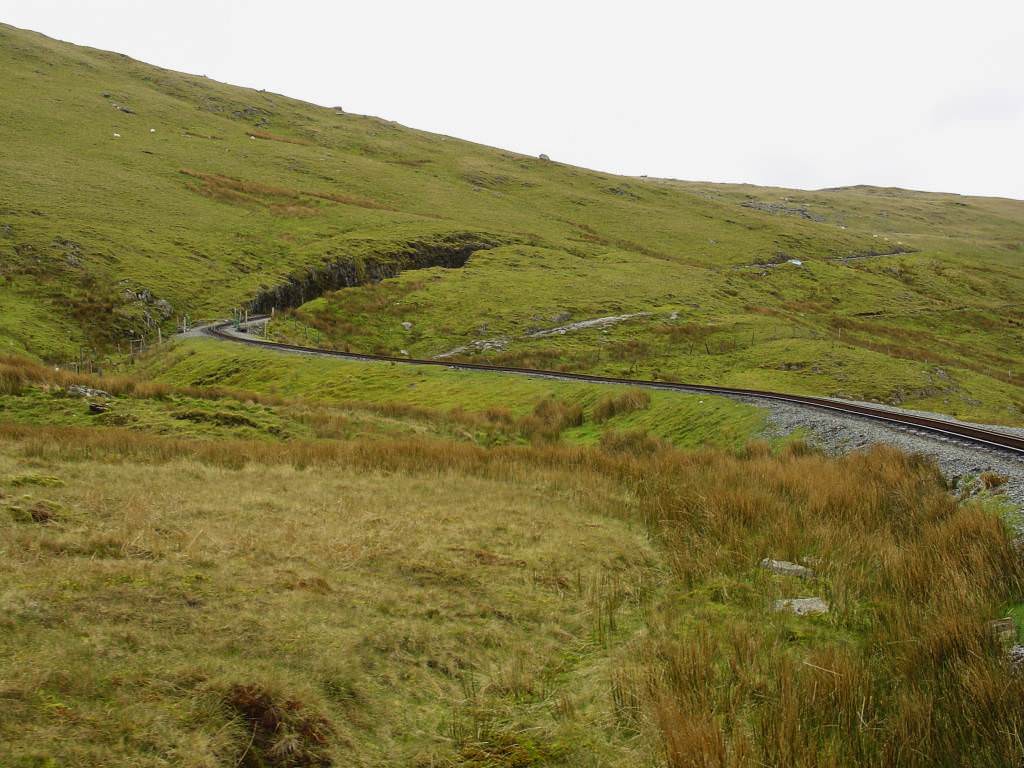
(451, 252)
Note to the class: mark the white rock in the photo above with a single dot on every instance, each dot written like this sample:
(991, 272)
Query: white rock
(407, 325)
(786, 568)
(802, 606)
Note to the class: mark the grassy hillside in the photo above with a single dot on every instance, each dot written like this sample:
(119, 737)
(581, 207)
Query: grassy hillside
(131, 195)
(216, 555)
(249, 580)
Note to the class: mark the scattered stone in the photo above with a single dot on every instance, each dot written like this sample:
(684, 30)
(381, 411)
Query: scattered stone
(1003, 630)
(1016, 656)
(598, 322)
(544, 157)
(97, 407)
(403, 353)
(802, 606)
(72, 251)
(674, 316)
(786, 568)
(163, 306)
(480, 345)
(407, 325)
(78, 390)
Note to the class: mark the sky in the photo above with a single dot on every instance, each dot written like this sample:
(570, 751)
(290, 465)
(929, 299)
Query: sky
(922, 95)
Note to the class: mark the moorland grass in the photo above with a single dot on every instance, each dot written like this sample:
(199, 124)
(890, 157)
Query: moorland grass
(441, 602)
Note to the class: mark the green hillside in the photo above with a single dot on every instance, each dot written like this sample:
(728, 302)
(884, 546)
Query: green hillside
(131, 195)
(216, 556)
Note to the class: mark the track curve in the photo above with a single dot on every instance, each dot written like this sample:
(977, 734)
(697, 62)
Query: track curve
(941, 428)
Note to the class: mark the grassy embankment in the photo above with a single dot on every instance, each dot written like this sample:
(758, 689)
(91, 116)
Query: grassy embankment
(212, 193)
(173, 600)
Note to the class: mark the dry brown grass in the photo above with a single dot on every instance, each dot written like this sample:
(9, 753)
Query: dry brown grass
(280, 200)
(911, 574)
(901, 672)
(992, 480)
(18, 373)
(610, 406)
(184, 612)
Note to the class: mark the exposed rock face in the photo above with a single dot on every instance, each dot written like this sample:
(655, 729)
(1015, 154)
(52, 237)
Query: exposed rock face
(802, 606)
(597, 322)
(779, 208)
(786, 568)
(154, 310)
(345, 272)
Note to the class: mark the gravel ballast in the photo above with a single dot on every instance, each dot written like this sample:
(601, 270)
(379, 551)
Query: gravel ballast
(840, 433)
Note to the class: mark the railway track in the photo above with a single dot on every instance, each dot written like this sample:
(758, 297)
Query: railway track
(940, 428)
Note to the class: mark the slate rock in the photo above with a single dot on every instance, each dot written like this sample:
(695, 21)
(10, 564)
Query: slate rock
(802, 606)
(786, 568)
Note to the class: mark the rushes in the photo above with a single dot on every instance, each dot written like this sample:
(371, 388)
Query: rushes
(611, 406)
(901, 672)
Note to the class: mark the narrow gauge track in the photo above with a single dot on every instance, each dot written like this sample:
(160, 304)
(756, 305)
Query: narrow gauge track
(940, 428)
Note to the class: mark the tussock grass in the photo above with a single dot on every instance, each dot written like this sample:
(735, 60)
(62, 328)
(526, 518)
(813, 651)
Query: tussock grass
(610, 406)
(901, 671)
(18, 373)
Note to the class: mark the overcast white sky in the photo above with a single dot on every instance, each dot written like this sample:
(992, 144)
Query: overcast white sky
(926, 95)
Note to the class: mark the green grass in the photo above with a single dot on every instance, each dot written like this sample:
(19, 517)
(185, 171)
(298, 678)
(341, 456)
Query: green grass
(174, 600)
(136, 622)
(185, 207)
(682, 419)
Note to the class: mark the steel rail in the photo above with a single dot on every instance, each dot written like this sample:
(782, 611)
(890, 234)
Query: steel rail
(939, 427)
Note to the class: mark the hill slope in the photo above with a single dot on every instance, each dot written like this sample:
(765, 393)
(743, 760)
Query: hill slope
(132, 195)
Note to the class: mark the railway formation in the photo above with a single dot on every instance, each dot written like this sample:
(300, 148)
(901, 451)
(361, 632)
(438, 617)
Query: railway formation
(1003, 442)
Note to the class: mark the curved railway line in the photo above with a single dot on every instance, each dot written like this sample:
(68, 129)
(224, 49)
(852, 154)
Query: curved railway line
(940, 428)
